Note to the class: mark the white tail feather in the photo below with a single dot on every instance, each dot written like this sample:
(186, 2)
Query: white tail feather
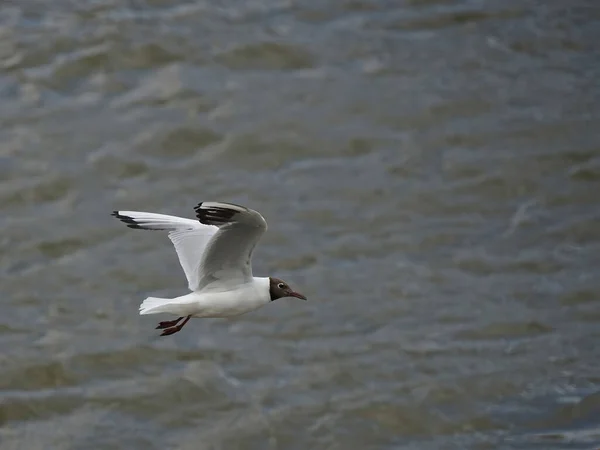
(155, 305)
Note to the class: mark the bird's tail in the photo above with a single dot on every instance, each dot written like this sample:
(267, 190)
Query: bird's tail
(155, 305)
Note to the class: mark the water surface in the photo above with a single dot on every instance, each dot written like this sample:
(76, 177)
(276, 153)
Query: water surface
(430, 172)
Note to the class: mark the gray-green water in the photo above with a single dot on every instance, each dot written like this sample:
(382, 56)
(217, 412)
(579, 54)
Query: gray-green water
(430, 171)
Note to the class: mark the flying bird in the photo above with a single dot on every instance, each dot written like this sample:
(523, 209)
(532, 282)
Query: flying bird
(215, 252)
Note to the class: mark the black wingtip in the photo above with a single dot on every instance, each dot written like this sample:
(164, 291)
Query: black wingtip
(214, 215)
(127, 220)
(121, 217)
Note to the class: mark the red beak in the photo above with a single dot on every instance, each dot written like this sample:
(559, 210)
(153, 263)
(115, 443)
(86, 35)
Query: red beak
(297, 295)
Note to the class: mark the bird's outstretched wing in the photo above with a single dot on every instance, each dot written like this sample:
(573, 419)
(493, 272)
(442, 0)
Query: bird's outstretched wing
(227, 259)
(190, 237)
(214, 251)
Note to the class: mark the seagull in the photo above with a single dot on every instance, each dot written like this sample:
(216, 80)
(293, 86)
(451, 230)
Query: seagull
(215, 252)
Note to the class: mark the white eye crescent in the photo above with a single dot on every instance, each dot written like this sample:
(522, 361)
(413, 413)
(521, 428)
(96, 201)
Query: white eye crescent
(281, 286)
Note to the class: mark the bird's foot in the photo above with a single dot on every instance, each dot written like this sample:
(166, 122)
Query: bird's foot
(171, 330)
(167, 324)
(174, 329)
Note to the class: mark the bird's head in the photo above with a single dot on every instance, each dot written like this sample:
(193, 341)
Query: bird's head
(279, 289)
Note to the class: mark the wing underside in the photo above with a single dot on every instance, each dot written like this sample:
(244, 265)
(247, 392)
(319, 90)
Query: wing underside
(228, 256)
(215, 251)
(188, 236)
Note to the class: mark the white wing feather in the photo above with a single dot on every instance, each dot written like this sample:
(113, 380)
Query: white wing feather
(227, 259)
(214, 251)
(189, 237)
(190, 245)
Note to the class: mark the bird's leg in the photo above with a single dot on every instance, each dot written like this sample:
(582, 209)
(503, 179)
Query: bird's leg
(176, 328)
(168, 323)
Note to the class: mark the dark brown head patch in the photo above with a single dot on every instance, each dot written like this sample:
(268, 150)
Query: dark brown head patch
(278, 288)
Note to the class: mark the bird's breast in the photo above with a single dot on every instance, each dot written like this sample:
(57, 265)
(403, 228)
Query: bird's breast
(230, 303)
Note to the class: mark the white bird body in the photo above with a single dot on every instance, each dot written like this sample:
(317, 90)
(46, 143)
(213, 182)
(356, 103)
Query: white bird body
(215, 253)
(213, 303)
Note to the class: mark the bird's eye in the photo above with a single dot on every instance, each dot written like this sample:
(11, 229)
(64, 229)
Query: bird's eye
(281, 286)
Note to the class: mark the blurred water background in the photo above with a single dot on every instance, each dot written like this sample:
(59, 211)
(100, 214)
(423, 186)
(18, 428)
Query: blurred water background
(430, 171)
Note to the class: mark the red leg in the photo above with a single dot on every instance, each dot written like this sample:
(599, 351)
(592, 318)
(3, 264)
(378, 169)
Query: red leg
(168, 323)
(176, 328)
